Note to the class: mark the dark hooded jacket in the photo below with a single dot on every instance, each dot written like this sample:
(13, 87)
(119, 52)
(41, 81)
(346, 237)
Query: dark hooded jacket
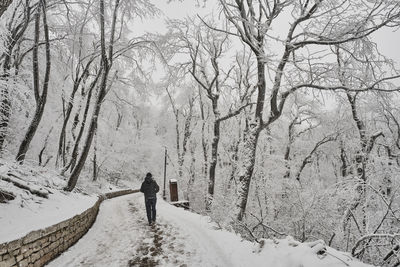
(149, 188)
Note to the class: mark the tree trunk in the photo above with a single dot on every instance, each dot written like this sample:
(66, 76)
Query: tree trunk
(246, 168)
(5, 106)
(5, 113)
(360, 161)
(203, 137)
(75, 150)
(40, 98)
(248, 153)
(343, 158)
(234, 159)
(186, 136)
(192, 169)
(178, 146)
(213, 162)
(95, 158)
(46, 140)
(30, 133)
(287, 160)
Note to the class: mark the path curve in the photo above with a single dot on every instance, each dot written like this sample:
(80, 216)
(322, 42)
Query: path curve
(121, 237)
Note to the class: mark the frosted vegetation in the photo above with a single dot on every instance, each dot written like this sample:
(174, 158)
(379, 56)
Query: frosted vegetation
(280, 117)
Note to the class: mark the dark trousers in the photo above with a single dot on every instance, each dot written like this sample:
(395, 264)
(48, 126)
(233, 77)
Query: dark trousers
(151, 209)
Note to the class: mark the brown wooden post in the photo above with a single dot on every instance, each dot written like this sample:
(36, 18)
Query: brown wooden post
(173, 190)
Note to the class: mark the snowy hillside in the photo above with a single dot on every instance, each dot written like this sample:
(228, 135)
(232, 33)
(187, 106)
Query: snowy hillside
(32, 199)
(121, 236)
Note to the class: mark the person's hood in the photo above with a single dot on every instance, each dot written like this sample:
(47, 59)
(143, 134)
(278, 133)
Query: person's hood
(148, 179)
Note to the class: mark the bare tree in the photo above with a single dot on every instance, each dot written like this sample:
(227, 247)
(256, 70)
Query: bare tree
(315, 24)
(78, 138)
(80, 74)
(40, 97)
(114, 48)
(182, 149)
(67, 113)
(106, 64)
(366, 140)
(209, 50)
(16, 27)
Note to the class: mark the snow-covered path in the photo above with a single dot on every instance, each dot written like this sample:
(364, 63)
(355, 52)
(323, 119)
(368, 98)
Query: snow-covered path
(113, 234)
(121, 237)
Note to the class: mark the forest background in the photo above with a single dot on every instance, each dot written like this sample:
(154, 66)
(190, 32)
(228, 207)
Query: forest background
(279, 117)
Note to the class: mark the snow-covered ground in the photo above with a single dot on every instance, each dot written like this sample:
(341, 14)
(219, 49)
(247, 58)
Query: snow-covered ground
(27, 211)
(19, 217)
(121, 237)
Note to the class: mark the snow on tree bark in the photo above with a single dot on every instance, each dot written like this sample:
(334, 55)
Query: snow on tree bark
(40, 97)
(106, 62)
(246, 164)
(310, 19)
(16, 32)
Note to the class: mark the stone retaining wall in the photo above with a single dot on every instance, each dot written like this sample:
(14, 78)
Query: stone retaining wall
(120, 193)
(39, 247)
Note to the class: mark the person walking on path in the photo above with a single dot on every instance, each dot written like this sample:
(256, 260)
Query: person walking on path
(150, 188)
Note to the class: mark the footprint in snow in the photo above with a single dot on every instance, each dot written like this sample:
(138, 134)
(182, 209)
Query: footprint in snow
(158, 246)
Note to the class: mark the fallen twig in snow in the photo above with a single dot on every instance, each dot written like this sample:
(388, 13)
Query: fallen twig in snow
(24, 185)
(6, 196)
(345, 263)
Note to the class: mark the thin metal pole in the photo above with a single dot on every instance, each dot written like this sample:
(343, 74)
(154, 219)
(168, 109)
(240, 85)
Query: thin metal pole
(165, 173)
